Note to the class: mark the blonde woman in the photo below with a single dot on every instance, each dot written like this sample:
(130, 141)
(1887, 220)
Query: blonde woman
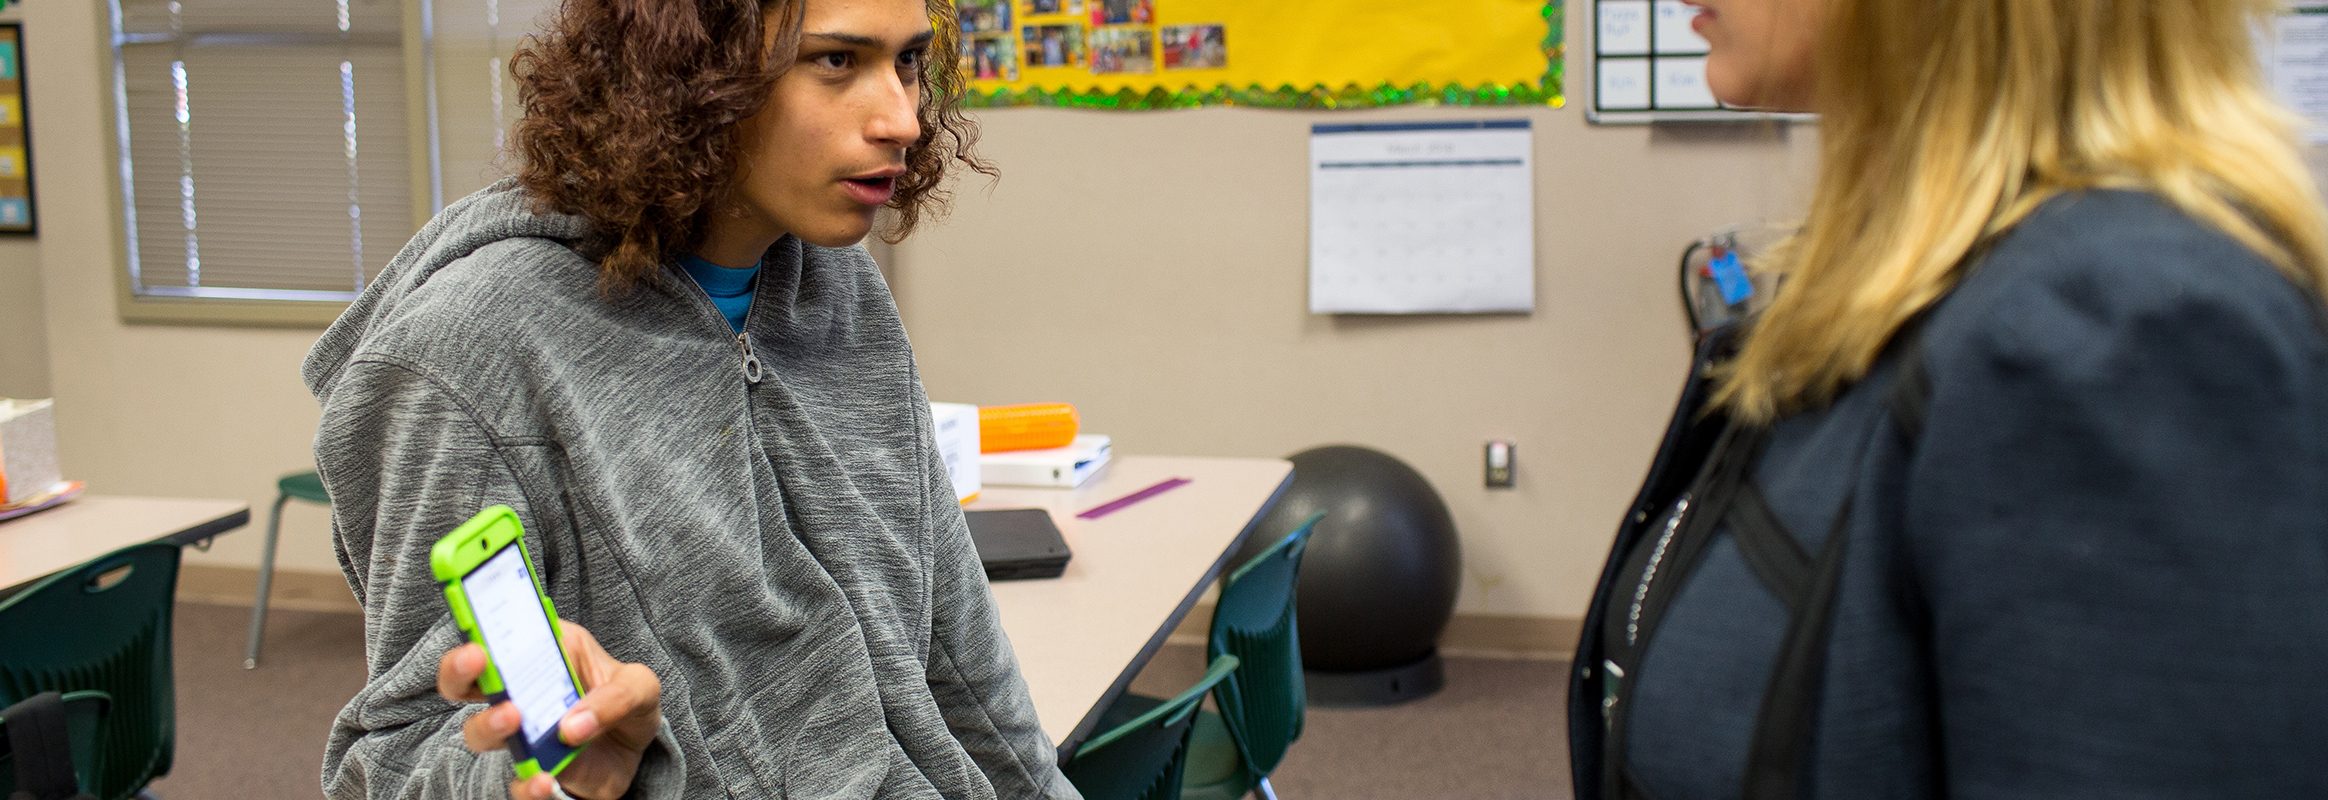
(2020, 486)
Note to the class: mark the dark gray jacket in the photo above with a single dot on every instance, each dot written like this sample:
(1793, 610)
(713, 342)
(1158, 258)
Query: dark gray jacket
(2099, 570)
(786, 555)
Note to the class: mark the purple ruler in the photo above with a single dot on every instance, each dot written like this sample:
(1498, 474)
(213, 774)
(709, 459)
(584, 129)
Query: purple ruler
(1126, 501)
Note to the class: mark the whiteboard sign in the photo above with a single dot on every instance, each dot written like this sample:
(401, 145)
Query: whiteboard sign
(1649, 65)
(2295, 55)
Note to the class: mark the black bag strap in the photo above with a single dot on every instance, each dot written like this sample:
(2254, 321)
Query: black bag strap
(42, 749)
(1911, 391)
(1787, 727)
(1776, 557)
(1728, 475)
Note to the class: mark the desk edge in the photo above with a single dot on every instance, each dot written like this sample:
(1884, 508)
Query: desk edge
(1084, 728)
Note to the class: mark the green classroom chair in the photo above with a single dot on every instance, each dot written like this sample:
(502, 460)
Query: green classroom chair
(83, 715)
(306, 486)
(1232, 752)
(1144, 757)
(102, 626)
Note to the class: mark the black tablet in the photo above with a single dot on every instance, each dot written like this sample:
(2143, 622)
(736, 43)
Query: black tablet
(1018, 543)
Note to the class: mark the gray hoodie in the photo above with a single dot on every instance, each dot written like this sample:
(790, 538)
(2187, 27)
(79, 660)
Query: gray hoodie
(786, 554)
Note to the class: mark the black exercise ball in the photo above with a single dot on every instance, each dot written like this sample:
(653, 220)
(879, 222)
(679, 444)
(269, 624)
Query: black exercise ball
(1379, 579)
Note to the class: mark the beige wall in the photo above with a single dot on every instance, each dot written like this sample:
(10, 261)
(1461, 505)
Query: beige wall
(145, 409)
(1152, 270)
(23, 339)
(24, 368)
(1149, 267)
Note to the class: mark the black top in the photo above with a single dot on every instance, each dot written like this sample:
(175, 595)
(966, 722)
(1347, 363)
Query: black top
(2100, 569)
(1630, 611)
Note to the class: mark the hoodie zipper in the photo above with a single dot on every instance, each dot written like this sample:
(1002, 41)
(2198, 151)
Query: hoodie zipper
(753, 371)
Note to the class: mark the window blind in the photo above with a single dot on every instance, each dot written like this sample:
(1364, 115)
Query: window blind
(471, 96)
(263, 145)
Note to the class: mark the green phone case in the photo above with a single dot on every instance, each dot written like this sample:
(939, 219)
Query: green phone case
(462, 551)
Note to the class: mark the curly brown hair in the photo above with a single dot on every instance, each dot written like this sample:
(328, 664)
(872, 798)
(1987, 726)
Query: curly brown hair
(632, 110)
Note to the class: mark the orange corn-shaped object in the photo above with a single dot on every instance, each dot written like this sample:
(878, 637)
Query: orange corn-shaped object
(1026, 426)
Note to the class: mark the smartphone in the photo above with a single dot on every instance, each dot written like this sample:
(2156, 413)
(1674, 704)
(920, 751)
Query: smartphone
(500, 605)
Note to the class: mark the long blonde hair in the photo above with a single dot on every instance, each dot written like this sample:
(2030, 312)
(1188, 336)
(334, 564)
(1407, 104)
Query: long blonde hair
(1945, 122)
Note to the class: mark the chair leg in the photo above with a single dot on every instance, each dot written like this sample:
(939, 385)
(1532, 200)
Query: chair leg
(1264, 791)
(266, 582)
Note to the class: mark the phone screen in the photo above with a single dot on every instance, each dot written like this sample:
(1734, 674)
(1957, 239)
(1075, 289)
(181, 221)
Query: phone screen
(518, 637)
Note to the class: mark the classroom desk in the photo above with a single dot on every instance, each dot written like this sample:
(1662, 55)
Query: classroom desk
(37, 544)
(1082, 636)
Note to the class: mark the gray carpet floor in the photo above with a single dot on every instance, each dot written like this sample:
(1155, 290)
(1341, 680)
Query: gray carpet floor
(1494, 732)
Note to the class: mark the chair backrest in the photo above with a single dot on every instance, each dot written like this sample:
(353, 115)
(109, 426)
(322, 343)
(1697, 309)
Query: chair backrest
(84, 715)
(1262, 705)
(104, 626)
(306, 486)
(1142, 759)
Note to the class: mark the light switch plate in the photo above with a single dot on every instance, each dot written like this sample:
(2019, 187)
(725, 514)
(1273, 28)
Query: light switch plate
(1499, 461)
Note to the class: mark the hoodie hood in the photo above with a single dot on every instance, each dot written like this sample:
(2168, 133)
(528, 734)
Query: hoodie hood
(497, 213)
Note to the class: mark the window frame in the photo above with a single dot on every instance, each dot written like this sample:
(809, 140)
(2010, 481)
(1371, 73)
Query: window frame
(135, 308)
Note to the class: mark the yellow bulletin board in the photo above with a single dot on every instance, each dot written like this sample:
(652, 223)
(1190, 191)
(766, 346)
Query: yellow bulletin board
(15, 142)
(1320, 54)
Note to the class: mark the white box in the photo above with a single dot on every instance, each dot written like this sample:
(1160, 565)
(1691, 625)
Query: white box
(28, 450)
(1058, 467)
(956, 428)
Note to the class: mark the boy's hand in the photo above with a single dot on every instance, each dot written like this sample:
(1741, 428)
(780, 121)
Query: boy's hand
(620, 711)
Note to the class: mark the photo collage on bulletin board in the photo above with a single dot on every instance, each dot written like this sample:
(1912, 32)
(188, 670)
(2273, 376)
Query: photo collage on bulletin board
(15, 139)
(1092, 37)
(1146, 54)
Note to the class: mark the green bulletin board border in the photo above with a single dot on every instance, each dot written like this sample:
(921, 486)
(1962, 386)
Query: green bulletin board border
(1316, 97)
(31, 226)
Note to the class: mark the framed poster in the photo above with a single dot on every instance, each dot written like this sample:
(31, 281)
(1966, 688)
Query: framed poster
(15, 136)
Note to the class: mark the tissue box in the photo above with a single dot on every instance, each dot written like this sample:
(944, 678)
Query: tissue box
(28, 450)
(956, 426)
